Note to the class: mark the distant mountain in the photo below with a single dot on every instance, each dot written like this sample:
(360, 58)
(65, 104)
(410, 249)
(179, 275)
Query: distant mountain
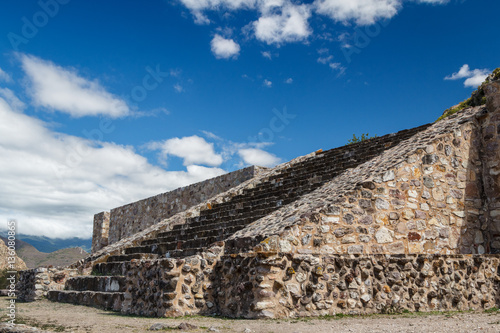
(45, 244)
(34, 258)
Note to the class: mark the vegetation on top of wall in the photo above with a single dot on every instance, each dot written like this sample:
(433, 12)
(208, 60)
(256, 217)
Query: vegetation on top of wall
(477, 98)
(363, 137)
(496, 74)
(454, 109)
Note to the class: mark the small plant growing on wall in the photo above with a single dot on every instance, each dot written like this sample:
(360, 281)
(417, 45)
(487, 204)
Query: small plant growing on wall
(363, 137)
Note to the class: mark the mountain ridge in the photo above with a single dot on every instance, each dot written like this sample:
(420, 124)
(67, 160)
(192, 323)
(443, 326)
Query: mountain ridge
(35, 258)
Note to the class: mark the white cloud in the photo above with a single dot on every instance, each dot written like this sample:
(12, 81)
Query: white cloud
(224, 48)
(325, 60)
(53, 183)
(267, 83)
(175, 72)
(62, 89)
(15, 103)
(198, 6)
(4, 76)
(178, 88)
(362, 12)
(254, 156)
(290, 24)
(289, 80)
(338, 67)
(267, 55)
(211, 135)
(192, 149)
(434, 2)
(286, 21)
(473, 78)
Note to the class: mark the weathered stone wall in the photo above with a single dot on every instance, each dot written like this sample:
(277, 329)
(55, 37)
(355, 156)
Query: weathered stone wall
(100, 232)
(430, 203)
(286, 285)
(127, 220)
(35, 283)
(172, 287)
(307, 285)
(491, 166)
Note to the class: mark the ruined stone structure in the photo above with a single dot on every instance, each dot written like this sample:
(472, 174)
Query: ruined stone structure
(409, 220)
(122, 222)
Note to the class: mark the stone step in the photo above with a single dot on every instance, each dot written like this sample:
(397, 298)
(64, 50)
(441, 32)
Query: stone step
(102, 300)
(221, 231)
(141, 249)
(110, 268)
(96, 283)
(128, 257)
(185, 252)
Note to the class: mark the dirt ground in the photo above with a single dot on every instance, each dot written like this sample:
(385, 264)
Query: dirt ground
(57, 317)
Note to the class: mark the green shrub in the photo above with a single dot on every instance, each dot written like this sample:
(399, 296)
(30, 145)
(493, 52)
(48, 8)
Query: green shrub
(363, 137)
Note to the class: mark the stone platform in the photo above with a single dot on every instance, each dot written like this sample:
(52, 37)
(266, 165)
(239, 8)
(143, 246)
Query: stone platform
(406, 221)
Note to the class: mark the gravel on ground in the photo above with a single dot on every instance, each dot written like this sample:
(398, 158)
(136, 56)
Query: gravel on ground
(59, 317)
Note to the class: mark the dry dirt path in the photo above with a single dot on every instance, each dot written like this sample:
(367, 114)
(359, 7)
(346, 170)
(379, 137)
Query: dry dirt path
(71, 318)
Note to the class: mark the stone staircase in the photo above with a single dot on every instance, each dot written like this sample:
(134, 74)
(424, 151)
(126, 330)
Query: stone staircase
(105, 289)
(222, 220)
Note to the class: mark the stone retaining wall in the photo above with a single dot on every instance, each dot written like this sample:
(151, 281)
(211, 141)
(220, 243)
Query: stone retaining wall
(285, 285)
(180, 286)
(35, 283)
(127, 220)
(306, 285)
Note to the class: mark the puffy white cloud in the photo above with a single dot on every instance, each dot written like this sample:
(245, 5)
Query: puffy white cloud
(286, 21)
(267, 83)
(224, 48)
(254, 156)
(289, 24)
(4, 76)
(289, 80)
(473, 78)
(362, 12)
(62, 89)
(192, 149)
(53, 183)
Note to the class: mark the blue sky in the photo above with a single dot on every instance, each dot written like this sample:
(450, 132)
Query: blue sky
(107, 102)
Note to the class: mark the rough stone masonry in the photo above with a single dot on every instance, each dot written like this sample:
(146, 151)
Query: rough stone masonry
(406, 221)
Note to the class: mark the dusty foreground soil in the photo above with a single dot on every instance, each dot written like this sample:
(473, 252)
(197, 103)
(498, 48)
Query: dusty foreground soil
(58, 317)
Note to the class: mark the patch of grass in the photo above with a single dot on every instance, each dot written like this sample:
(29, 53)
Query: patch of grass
(463, 105)
(96, 273)
(492, 310)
